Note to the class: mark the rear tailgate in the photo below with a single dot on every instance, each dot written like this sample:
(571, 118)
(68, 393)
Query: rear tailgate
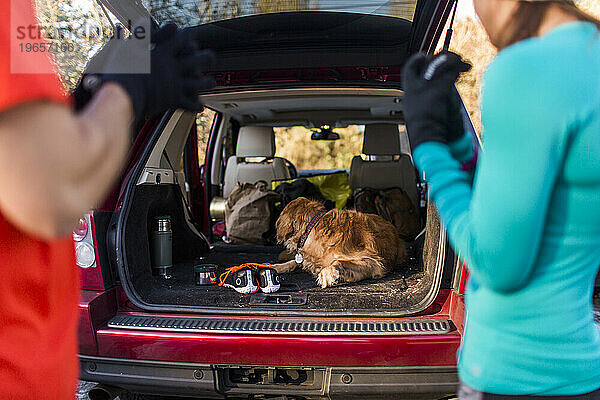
(315, 43)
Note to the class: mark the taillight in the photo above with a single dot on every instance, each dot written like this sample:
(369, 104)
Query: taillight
(80, 230)
(86, 253)
(85, 256)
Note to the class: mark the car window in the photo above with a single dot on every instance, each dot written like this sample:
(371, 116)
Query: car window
(194, 12)
(295, 144)
(204, 122)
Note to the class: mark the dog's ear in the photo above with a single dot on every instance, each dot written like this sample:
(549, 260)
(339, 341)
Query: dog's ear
(285, 223)
(284, 227)
(295, 217)
(290, 219)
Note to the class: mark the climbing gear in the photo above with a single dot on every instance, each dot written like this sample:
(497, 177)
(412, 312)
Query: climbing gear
(250, 277)
(268, 280)
(241, 278)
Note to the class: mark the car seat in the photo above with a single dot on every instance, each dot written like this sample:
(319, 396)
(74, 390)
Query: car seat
(386, 165)
(254, 141)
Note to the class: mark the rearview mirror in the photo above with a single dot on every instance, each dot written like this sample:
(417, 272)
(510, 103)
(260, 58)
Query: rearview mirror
(325, 133)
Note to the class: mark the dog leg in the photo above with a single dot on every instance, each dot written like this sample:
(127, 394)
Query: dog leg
(329, 275)
(361, 268)
(286, 255)
(286, 267)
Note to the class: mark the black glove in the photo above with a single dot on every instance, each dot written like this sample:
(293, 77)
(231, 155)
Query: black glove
(431, 103)
(176, 71)
(456, 118)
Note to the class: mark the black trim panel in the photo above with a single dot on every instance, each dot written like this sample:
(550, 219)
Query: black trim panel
(213, 381)
(280, 327)
(102, 226)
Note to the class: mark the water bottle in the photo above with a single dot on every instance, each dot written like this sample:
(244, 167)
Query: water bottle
(161, 247)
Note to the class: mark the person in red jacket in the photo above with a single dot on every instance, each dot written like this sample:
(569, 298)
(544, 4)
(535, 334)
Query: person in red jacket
(58, 158)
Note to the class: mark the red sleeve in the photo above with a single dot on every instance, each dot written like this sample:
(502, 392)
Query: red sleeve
(24, 76)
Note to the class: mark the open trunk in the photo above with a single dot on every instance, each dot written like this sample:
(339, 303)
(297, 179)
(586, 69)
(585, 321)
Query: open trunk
(309, 67)
(410, 288)
(156, 188)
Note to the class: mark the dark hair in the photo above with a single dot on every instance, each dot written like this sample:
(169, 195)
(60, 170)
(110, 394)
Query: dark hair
(528, 17)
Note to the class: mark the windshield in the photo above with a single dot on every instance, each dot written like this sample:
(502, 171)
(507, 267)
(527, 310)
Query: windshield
(196, 12)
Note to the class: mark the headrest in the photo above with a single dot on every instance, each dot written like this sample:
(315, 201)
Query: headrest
(381, 140)
(256, 141)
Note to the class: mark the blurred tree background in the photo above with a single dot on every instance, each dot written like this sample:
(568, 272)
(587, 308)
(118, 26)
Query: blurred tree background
(79, 28)
(193, 12)
(471, 42)
(295, 145)
(269, 6)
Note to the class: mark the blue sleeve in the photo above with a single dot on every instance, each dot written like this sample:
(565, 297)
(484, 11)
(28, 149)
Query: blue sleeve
(462, 149)
(496, 224)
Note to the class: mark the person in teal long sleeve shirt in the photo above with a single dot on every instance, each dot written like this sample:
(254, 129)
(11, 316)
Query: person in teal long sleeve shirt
(528, 223)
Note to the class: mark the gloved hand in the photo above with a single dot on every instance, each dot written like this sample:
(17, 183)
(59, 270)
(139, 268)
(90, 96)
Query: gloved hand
(176, 71)
(431, 103)
(456, 121)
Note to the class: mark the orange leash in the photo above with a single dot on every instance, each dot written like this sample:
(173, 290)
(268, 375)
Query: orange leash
(235, 268)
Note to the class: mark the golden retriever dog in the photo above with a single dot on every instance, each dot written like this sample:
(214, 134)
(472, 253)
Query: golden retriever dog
(343, 246)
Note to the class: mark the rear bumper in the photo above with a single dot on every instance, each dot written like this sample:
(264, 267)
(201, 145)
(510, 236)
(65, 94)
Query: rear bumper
(215, 381)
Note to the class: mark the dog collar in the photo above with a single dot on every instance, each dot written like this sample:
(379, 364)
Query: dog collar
(304, 236)
(311, 225)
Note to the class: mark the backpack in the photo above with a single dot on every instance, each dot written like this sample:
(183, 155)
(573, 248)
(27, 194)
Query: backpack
(393, 205)
(301, 188)
(250, 213)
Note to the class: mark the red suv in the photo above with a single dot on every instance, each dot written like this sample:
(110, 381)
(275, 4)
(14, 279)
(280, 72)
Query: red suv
(320, 64)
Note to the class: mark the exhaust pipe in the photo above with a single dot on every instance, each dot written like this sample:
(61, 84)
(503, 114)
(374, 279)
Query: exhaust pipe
(104, 392)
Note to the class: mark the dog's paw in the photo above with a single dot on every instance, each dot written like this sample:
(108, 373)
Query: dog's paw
(328, 277)
(285, 267)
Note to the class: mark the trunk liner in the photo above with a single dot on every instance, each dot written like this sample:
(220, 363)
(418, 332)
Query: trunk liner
(402, 288)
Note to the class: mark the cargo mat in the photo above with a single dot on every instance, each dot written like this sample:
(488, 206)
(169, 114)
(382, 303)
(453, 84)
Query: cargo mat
(401, 289)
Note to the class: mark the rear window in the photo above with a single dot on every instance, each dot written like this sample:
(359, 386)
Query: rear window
(294, 144)
(196, 12)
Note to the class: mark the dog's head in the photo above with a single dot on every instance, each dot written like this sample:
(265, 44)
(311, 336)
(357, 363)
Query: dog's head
(294, 219)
